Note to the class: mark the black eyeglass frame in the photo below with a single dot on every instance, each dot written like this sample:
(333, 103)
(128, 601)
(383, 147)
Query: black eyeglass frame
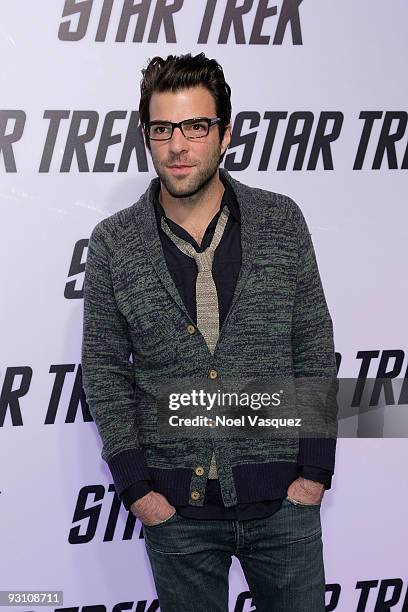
(210, 122)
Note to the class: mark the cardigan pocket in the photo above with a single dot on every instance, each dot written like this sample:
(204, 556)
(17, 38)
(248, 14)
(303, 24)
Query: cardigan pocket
(153, 340)
(153, 331)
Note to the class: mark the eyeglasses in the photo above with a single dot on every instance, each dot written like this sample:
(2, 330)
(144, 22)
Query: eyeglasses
(197, 127)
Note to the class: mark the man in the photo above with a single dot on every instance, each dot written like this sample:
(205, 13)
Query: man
(207, 277)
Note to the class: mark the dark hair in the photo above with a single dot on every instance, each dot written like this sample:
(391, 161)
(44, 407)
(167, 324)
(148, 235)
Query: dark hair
(181, 72)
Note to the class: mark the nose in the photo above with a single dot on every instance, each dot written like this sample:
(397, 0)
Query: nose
(178, 142)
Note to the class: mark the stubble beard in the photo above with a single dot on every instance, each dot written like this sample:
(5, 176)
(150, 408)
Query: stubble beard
(190, 185)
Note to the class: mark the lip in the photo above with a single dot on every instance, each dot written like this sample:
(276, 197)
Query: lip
(180, 169)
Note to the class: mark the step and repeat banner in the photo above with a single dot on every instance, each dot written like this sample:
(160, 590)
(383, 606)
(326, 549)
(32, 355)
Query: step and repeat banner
(319, 96)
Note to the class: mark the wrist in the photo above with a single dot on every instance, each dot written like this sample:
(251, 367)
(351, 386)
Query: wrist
(310, 486)
(144, 501)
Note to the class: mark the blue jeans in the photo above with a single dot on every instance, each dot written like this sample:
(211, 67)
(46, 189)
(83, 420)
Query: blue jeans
(281, 557)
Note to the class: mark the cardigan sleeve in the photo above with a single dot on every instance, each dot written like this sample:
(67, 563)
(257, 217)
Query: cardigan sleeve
(107, 373)
(314, 357)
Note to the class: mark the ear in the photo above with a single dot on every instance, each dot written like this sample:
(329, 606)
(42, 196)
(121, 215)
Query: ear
(146, 140)
(226, 139)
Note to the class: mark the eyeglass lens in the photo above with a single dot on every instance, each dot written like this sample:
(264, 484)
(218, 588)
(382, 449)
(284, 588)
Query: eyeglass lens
(190, 128)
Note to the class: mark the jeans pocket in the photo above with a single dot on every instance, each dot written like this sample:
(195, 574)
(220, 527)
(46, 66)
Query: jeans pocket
(295, 502)
(167, 520)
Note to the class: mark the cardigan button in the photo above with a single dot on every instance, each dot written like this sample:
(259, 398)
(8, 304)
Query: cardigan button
(213, 374)
(195, 495)
(191, 329)
(199, 470)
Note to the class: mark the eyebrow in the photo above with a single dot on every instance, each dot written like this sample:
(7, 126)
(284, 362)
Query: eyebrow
(186, 119)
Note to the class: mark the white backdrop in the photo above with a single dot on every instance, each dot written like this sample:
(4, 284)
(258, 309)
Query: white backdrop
(60, 527)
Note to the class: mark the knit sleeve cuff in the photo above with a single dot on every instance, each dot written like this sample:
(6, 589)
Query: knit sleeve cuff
(317, 452)
(128, 467)
(134, 492)
(316, 474)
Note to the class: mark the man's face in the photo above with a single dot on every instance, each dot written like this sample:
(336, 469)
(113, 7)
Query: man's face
(186, 166)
